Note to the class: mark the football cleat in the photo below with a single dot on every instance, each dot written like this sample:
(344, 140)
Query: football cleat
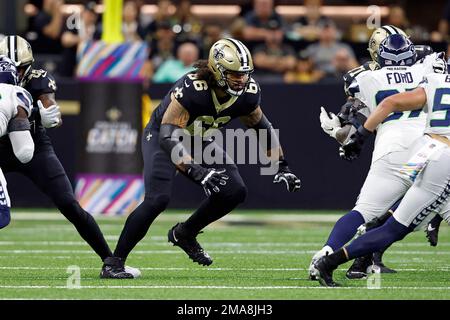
(312, 272)
(358, 270)
(377, 262)
(113, 268)
(325, 272)
(432, 230)
(189, 245)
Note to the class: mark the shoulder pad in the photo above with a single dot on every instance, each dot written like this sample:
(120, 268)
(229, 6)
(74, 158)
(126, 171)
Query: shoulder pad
(351, 75)
(24, 99)
(40, 82)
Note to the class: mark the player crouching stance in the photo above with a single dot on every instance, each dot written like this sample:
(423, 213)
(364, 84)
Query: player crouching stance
(218, 91)
(15, 107)
(428, 167)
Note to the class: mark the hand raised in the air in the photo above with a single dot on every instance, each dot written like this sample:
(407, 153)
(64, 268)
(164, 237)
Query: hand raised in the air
(285, 174)
(352, 148)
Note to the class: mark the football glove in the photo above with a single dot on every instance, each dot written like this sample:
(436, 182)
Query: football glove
(210, 179)
(285, 174)
(329, 122)
(51, 116)
(352, 148)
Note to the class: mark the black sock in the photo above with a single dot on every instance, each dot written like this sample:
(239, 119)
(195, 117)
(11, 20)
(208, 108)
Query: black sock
(337, 258)
(137, 225)
(88, 229)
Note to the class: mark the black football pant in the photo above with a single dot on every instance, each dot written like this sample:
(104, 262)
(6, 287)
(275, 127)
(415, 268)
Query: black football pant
(159, 173)
(49, 176)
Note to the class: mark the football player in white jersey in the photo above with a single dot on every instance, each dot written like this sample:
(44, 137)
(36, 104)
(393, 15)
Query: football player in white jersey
(352, 115)
(398, 73)
(426, 168)
(15, 107)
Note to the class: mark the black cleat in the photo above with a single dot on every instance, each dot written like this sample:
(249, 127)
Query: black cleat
(378, 263)
(358, 270)
(189, 245)
(325, 272)
(114, 268)
(432, 230)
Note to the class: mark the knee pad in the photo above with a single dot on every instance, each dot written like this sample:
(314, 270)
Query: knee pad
(5, 216)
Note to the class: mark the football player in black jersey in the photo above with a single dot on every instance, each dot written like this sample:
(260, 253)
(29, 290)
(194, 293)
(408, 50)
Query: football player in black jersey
(45, 169)
(352, 114)
(218, 91)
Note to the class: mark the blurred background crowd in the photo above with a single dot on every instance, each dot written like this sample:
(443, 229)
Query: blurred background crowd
(292, 41)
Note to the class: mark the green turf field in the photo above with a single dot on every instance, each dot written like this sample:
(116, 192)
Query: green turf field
(256, 256)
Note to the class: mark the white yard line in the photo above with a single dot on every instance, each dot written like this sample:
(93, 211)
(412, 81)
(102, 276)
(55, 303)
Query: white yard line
(223, 287)
(175, 251)
(446, 269)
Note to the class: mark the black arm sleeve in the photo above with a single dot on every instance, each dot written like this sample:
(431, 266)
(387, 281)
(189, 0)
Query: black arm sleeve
(267, 136)
(170, 137)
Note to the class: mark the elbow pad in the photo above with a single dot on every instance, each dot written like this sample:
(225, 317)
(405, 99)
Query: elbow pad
(23, 145)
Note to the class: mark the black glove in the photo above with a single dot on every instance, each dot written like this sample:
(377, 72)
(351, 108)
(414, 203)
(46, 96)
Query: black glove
(285, 174)
(352, 149)
(209, 179)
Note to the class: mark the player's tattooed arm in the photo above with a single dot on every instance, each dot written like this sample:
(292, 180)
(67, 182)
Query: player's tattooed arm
(176, 114)
(49, 110)
(175, 117)
(257, 120)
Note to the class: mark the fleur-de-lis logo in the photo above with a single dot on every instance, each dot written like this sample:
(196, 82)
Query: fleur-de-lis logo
(218, 54)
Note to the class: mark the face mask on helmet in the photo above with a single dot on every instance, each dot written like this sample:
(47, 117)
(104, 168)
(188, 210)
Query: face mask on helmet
(8, 71)
(396, 50)
(236, 82)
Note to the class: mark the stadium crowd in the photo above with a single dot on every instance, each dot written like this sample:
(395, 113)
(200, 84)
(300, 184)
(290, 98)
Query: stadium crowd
(310, 48)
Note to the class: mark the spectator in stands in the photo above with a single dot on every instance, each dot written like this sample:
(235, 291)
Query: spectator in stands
(443, 27)
(173, 69)
(262, 21)
(76, 35)
(212, 33)
(46, 27)
(273, 58)
(163, 15)
(323, 53)
(131, 28)
(162, 48)
(307, 27)
(187, 26)
(397, 17)
(303, 72)
(343, 61)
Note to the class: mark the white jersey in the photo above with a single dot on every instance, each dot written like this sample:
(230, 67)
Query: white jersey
(12, 97)
(437, 89)
(400, 129)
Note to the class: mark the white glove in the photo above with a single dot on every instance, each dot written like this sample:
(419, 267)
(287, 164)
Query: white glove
(439, 66)
(51, 116)
(329, 122)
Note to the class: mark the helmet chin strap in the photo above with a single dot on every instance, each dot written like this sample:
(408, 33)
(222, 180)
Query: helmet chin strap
(24, 76)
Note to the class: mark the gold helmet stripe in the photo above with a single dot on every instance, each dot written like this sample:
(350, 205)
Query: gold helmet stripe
(241, 50)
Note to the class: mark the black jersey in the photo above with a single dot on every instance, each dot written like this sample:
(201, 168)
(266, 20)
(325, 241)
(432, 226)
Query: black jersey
(203, 105)
(38, 82)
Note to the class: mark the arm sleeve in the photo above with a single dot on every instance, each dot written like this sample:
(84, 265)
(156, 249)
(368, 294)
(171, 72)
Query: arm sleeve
(23, 145)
